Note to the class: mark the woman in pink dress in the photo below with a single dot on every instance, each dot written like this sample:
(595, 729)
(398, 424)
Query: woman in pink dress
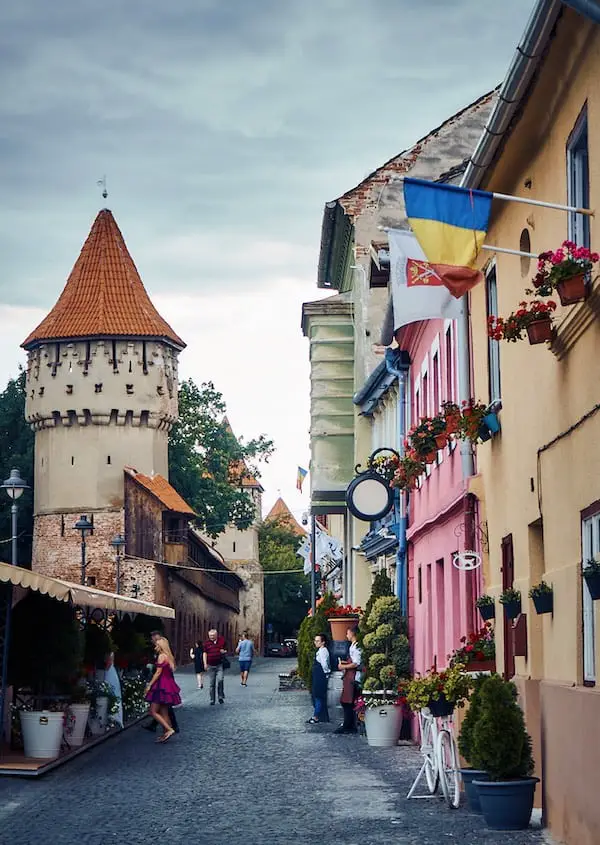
(162, 691)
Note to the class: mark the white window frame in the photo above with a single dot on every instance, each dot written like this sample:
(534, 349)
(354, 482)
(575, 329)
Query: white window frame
(452, 393)
(426, 396)
(436, 352)
(590, 545)
(578, 180)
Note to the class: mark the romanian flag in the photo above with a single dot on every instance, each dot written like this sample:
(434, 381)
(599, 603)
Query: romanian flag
(450, 224)
(302, 473)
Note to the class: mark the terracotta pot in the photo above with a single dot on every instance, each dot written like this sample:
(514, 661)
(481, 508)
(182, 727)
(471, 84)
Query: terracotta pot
(572, 290)
(339, 626)
(430, 457)
(441, 441)
(481, 666)
(540, 330)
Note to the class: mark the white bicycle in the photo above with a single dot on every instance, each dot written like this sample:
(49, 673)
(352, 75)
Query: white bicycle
(440, 758)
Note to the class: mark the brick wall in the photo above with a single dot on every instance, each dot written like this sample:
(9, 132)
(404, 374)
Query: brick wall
(252, 599)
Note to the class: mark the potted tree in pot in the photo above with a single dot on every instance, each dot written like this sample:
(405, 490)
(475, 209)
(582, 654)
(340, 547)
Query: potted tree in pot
(511, 600)
(465, 745)
(501, 746)
(542, 596)
(486, 607)
(386, 655)
(45, 657)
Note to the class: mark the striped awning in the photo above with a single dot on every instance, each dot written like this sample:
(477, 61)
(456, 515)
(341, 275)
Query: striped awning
(79, 595)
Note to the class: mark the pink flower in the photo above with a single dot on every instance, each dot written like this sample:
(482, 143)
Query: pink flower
(558, 257)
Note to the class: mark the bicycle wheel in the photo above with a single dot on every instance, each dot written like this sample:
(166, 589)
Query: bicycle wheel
(447, 763)
(428, 752)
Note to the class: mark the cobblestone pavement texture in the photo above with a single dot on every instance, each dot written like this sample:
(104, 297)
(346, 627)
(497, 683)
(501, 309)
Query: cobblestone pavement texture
(245, 773)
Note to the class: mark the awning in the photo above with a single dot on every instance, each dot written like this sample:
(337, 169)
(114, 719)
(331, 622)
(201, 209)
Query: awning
(79, 595)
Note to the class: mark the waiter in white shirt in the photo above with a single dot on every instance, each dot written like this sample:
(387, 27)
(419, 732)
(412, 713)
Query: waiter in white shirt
(320, 677)
(352, 677)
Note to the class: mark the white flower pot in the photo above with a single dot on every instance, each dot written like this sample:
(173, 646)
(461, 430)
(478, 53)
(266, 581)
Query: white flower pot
(99, 721)
(383, 725)
(76, 732)
(42, 733)
(334, 692)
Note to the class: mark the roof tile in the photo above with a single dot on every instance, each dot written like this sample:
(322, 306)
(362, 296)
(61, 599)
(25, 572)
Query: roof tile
(162, 490)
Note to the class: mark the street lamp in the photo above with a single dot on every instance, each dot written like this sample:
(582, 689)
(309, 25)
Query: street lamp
(85, 527)
(118, 544)
(14, 486)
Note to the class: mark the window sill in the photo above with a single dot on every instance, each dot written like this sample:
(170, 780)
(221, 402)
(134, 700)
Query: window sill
(576, 321)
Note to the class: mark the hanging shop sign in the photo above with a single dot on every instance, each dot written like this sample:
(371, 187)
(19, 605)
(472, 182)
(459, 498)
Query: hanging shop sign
(369, 496)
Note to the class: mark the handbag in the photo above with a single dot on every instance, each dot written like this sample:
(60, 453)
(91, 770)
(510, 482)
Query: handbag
(226, 663)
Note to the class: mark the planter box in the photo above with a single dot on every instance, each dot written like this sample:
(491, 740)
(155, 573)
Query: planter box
(572, 290)
(593, 582)
(512, 609)
(481, 666)
(544, 603)
(540, 331)
(488, 611)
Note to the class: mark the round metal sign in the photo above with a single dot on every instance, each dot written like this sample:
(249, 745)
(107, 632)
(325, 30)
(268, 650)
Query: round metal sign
(368, 497)
(466, 561)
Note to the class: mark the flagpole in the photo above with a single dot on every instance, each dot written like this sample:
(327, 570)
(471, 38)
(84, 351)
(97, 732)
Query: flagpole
(489, 247)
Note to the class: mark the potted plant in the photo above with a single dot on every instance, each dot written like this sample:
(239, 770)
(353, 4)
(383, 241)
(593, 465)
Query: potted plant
(472, 416)
(477, 652)
(409, 470)
(78, 713)
(385, 465)
(486, 607)
(465, 746)
(422, 438)
(542, 596)
(386, 656)
(511, 599)
(532, 318)
(340, 619)
(440, 691)
(565, 270)
(501, 746)
(134, 702)
(591, 573)
(104, 705)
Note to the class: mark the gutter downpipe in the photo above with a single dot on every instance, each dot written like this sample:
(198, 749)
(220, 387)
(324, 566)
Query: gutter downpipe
(400, 500)
(514, 88)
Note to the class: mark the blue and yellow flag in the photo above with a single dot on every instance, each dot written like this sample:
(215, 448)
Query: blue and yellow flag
(450, 224)
(302, 473)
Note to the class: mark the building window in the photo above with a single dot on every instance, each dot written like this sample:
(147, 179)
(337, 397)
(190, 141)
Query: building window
(420, 584)
(491, 286)
(435, 366)
(449, 365)
(234, 547)
(578, 180)
(590, 543)
(91, 581)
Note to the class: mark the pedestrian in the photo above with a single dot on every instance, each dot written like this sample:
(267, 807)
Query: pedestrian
(351, 667)
(155, 636)
(162, 691)
(197, 655)
(245, 651)
(214, 654)
(320, 677)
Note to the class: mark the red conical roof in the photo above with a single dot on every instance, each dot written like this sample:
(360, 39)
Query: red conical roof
(104, 295)
(281, 513)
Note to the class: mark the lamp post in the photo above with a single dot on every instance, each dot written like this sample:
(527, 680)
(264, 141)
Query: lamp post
(85, 527)
(14, 486)
(118, 544)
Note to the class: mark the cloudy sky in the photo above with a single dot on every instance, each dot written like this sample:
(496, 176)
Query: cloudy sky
(222, 128)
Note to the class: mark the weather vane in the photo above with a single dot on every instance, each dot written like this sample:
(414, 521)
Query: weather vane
(102, 183)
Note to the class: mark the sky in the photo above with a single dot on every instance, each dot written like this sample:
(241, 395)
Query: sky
(222, 129)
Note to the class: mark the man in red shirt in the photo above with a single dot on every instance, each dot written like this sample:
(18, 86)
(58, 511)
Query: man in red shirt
(214, 651)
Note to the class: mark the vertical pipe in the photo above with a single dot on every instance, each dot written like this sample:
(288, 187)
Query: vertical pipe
(83, 564)
(464, 381)
(13, 540)
(313, 561)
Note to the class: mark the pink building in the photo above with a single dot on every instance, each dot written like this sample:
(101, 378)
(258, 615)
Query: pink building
(442, 515)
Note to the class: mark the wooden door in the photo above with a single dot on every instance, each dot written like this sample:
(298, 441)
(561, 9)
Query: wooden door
(508, 577)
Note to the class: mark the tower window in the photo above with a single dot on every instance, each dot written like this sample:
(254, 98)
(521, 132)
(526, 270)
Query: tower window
(41, 391)
(144, 358)
(115, 363)
(72, 460)
(144, 418)
(98, 388)
(62, 525)
(234, 547)
(129, 388)
(69, 388)
(130, 367)
(108, 459)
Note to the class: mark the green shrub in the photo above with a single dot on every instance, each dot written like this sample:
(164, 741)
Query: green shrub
(381, 586)
(377, 661)
(465, 738)
(309, 628)
(386, 651)
(500, 745)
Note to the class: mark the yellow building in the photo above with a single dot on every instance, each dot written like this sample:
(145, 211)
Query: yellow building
(539, 479)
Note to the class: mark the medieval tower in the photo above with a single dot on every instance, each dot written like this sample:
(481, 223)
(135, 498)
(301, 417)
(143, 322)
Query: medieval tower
(101, 395)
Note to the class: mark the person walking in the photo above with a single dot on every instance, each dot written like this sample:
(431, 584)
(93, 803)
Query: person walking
(320, 678)
(214, 653)
(155, 636)
(197, 655)
(352, 676)
(245, 651)
(162, 690)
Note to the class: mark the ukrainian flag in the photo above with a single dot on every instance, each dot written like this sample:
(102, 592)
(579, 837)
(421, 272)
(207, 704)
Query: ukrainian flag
(450, 224)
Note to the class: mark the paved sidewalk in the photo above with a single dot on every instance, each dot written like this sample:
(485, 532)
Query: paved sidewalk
(250, 772)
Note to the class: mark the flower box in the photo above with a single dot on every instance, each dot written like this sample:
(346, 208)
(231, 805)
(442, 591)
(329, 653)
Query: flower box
(543, 602)
(487, 611)
(539, 331)
(592, 579)
(441, 707)
(572, 290)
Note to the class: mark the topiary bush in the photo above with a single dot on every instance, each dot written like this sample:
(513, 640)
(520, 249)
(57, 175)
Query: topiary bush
(381, 586)
(499, 742)
(386, 652)
(309, 628)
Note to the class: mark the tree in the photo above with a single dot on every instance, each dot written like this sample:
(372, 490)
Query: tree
(208, 464)
(16, 450)
(286, 596)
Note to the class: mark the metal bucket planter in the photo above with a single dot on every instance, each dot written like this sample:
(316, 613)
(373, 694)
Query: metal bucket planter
(592, 579)
(572, 290)
(543, 603)
(487, 611)
(507, 804)
(383, 725)
(540, 331)
(334, 693)
(512, 609)
(468, 776)
(76, 733)
(42, 733)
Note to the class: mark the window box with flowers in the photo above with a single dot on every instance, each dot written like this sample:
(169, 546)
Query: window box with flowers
(408, 472)
(477, 652)
(591, 573)
(565, 271)
(542, 596)
(511, 600)
(532, 318)
(440, 692)
(486, 607)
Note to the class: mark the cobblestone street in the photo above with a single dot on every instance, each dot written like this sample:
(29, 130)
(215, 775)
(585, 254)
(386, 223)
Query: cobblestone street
(245, 773)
